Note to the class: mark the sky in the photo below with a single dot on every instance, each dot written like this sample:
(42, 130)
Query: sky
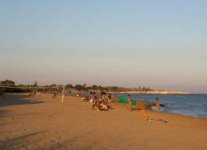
(159, 44)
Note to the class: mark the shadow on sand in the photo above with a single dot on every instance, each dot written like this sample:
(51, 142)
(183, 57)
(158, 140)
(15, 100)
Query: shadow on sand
(17, 99)
(3, 112)
(18, 141)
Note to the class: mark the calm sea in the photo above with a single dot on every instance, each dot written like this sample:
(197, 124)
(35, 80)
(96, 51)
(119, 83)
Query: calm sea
(191, 105)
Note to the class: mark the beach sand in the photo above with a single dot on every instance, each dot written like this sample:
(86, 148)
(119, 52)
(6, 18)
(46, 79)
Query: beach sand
(45, 123)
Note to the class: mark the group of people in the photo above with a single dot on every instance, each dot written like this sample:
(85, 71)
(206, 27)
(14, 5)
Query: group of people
(99, 102)
(102, 102)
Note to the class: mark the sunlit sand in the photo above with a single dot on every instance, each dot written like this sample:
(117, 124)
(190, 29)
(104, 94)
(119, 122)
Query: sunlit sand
(45, 123)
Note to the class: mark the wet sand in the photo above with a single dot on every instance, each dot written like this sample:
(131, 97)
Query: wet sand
(45, 123)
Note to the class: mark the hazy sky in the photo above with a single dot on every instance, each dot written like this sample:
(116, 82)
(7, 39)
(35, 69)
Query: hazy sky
(160, 44)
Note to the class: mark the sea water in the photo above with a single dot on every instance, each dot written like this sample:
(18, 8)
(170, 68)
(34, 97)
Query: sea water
(191, 105)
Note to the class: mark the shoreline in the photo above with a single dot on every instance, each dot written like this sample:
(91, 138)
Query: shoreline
(182, 115)
(187, 105)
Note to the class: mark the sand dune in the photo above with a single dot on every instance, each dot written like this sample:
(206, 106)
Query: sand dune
(45, 123)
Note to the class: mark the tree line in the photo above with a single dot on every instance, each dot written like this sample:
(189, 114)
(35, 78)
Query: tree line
(11, 84)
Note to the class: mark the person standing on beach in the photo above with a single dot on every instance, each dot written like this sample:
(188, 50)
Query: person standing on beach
(129, 103)
(157, 104)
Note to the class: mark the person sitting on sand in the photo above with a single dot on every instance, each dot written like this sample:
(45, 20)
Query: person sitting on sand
(103, 106)
(96, 105)
(157, 104)
(85, 98)
(129, 103)
(100, 105)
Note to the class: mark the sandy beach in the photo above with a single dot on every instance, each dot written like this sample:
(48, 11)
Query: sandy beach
(45, 123)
